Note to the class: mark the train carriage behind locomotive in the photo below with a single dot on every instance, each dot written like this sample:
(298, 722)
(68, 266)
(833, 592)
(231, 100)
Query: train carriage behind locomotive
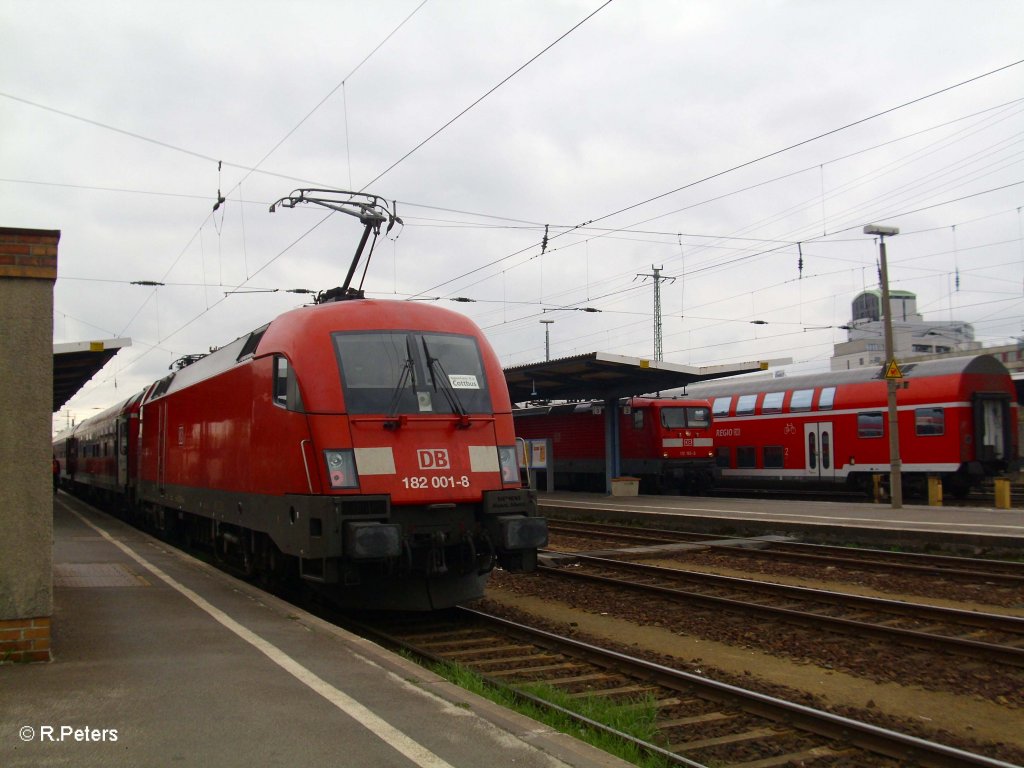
(367, 445)
(957, 420)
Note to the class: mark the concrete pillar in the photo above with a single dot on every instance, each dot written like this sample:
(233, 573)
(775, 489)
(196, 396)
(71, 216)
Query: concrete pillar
(28, 269)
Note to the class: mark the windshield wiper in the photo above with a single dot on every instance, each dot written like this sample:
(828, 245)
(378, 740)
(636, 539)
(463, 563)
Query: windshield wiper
(392, 421)
(454, 402)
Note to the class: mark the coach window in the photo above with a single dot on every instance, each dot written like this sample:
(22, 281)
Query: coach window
(827, 398)
(286, 386)
(772, 402)
(721, 405)
(801, 400)
(869, 424)
(746, 457)
(929, 421)
(773, 457)
(723, 457)
(745, 405)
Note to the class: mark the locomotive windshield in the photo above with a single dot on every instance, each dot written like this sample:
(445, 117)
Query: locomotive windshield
(677, 417)
(396, 372)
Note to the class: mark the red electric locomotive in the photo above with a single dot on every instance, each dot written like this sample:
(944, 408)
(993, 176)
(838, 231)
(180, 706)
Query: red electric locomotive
(957, 419)
(667, 443)
(365, 446)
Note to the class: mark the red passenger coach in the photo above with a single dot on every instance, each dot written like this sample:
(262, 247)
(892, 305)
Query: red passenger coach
(667, 443)
(957, 419)
(366, 446)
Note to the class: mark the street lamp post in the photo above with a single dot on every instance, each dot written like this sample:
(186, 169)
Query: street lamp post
(895, 467)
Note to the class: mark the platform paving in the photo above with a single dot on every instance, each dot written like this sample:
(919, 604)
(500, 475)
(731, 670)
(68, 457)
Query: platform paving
(161, 660)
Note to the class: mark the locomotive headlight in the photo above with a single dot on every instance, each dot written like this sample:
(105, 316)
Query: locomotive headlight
(341, 469)
(508, 462)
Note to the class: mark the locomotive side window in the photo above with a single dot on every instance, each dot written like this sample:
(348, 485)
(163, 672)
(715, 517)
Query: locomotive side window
(870, 424)
(396, 372)
(772, 402)
(929, 421)
(773, 456)
(745, 405)
(827, 398)
(721, 405)
(801, 400)
(286, 386)
(638, 418)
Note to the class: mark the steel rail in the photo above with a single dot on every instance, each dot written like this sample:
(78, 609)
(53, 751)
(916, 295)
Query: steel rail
(1006, 654)
(1004, 571)
(863, 735)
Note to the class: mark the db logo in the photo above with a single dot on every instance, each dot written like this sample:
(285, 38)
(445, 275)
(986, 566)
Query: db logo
(433, 458)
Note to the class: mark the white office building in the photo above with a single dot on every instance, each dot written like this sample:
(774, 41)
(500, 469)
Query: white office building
(913, 336)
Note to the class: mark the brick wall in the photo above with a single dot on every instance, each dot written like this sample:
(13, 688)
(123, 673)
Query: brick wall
(25, 640)
(28, 253)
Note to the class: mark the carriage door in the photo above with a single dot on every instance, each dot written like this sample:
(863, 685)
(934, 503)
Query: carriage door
(121, 448)
(991, 429)
(819, 450)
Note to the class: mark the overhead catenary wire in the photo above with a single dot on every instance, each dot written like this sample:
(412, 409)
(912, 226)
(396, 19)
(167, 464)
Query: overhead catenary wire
(744, 164)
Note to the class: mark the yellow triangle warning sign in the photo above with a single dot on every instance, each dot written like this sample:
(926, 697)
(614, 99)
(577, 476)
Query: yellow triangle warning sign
(893, 371)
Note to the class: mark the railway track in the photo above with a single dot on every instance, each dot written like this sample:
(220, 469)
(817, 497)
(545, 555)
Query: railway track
(700, 722)
(991, 638)
(1002, 572)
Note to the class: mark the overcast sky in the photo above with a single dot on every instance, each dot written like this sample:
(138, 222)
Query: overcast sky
(716, 141)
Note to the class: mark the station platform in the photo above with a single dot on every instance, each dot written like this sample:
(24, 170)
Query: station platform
(866, 523)
(159, 659)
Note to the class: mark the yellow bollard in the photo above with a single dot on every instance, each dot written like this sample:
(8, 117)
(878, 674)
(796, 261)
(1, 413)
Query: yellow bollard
(934, 491)
(1002, 493)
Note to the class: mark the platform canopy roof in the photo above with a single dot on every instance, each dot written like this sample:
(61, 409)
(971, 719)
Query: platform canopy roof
(603, 376)
(76, 362)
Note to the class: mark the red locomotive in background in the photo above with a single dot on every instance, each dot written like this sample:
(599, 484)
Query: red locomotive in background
(364, 446)
(666, 443)
(957, 420)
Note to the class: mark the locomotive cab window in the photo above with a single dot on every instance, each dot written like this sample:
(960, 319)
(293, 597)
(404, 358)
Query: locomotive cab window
(929, 421)
(694, 417)
(402, 372)
(698, 417)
